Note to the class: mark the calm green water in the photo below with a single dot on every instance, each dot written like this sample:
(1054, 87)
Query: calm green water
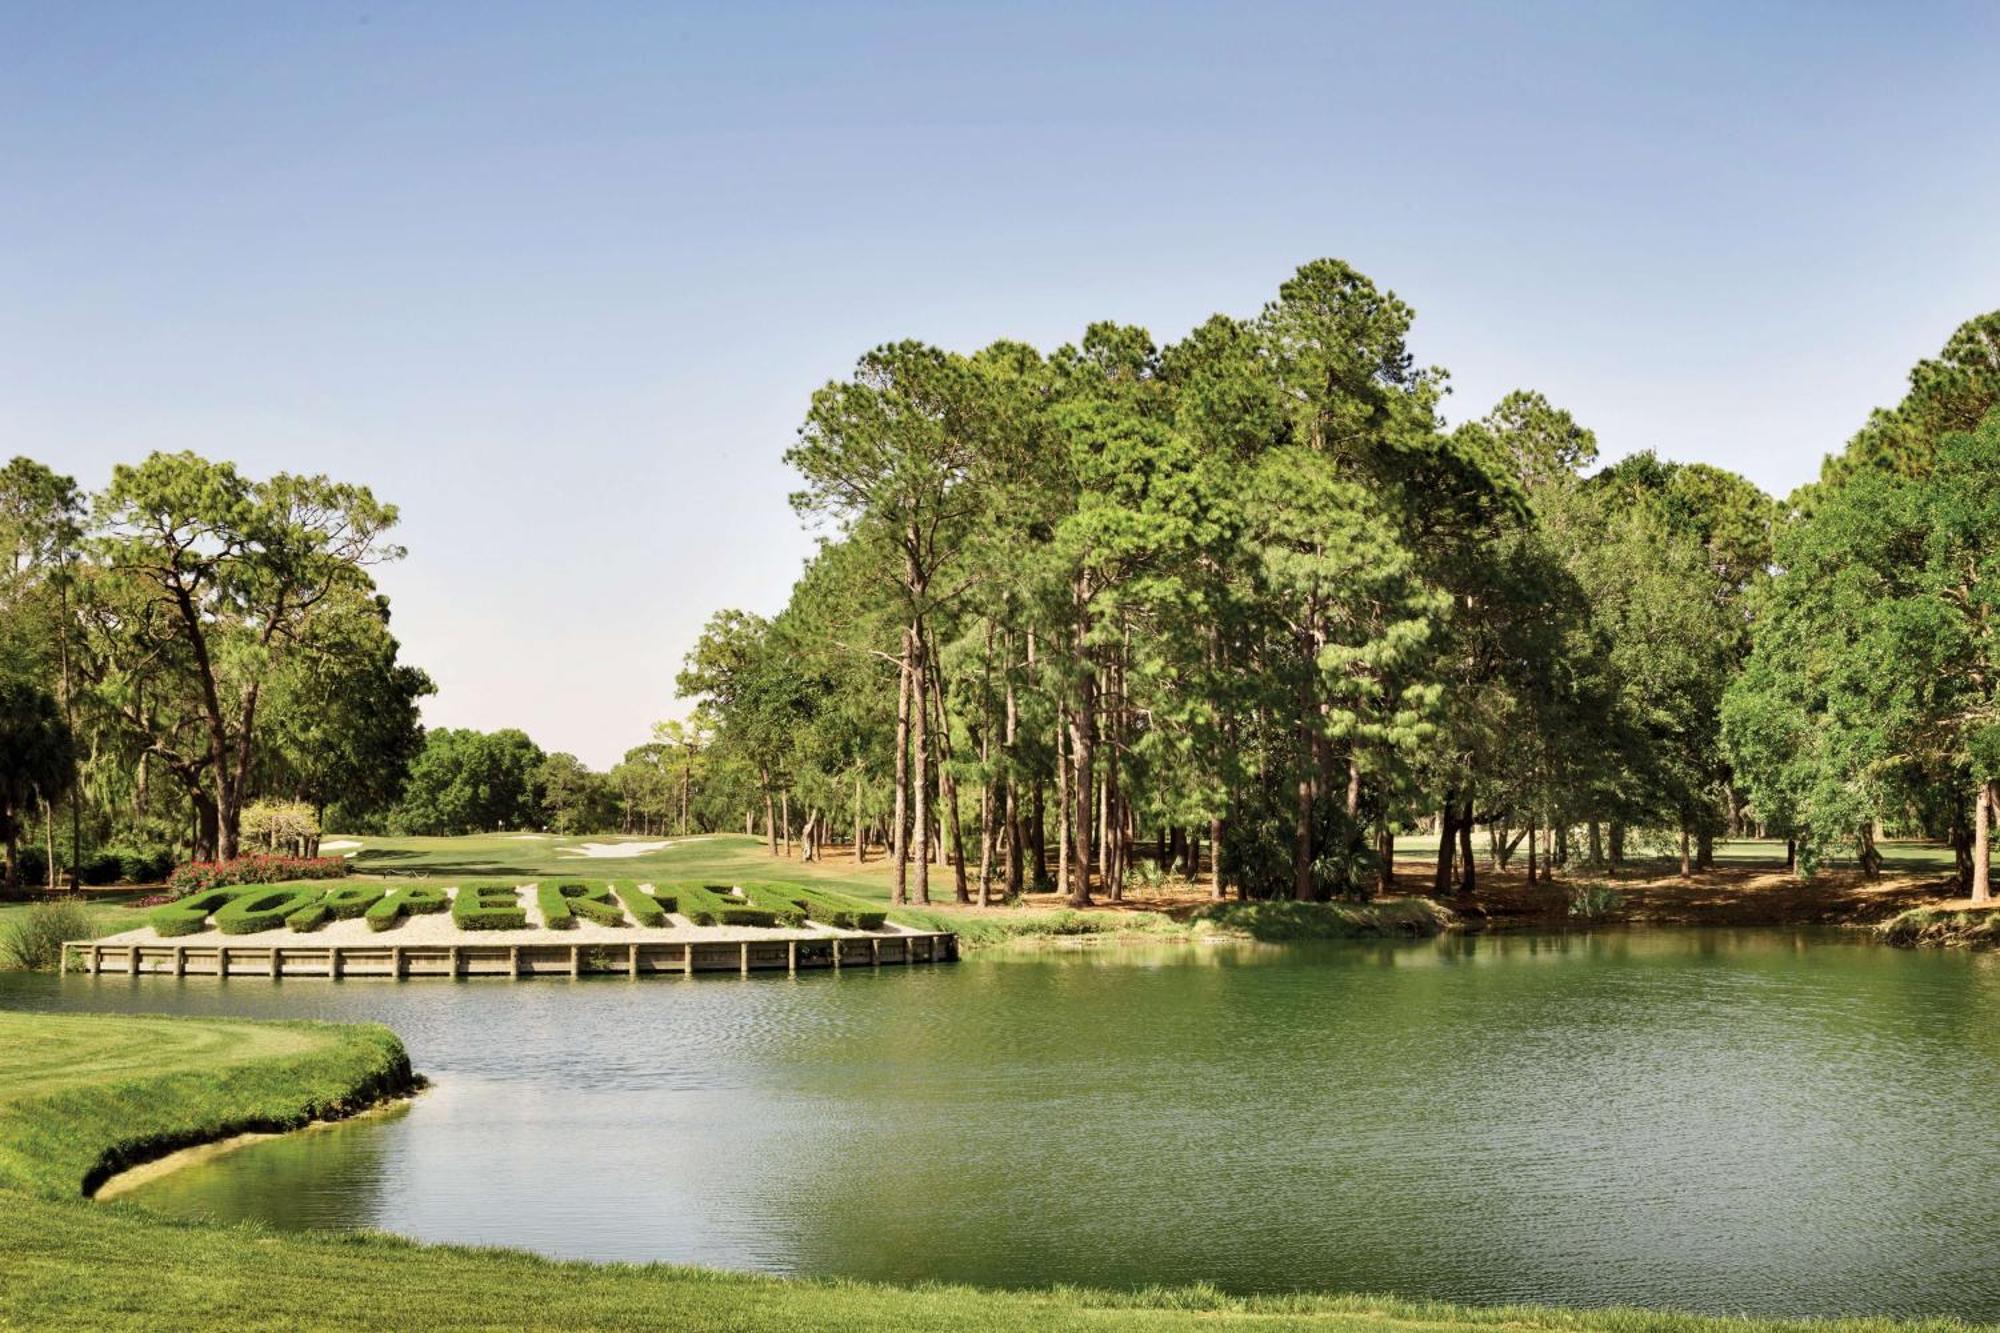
(1765, 1121)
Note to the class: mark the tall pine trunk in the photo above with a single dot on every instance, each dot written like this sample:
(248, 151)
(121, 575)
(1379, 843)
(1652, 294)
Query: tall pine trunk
(1982, 867)
(899, 830)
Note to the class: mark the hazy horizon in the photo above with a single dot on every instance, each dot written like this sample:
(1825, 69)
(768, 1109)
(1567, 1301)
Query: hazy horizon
(561, 291)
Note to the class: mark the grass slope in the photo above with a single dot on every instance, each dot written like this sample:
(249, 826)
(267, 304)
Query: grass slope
(79, 1091)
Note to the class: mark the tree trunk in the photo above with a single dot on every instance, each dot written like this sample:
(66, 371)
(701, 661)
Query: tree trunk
(1531, 854)
(920, 780)
(785, 818)
(1687, 859)
(899, 831)
(948, 782)
(1468, 880)
(1062, 808)
(1982, 864)
(1215, 858)
(1385, 868)
(1596, 845)
(1038, 836)
(1441, 882)
(1083, 739)
(1866, 854)
(860, 841)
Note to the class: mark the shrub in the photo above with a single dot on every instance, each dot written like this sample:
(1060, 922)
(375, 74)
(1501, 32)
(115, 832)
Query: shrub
(1595, 902)
(101, 867)
(710, 905)
(189, 915)
(31, 866)
(255, 870)
(409, 900)
(264, 909)
(562, 904)
(795, 906)
(648, 909)
(352, 900)
(310, 917)
(139, 864)
(487, 907)
(34, 938)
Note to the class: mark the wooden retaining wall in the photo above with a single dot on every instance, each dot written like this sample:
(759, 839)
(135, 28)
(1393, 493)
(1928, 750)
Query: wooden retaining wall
(220, 957)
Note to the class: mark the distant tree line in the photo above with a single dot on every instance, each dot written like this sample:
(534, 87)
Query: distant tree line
(1243, 605)
(474, 782)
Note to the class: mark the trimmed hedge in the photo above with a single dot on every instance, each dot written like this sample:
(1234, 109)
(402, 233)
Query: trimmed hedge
(310, 917)
(255, 870)
(409, 900)
(264, 909)
(711, 905)
(648, 909)
(189, 915)
(562, 904)
(352, 900)
(829, 909)
(488, 907)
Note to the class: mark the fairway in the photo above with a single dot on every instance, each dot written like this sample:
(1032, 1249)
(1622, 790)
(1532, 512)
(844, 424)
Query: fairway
(716, 858)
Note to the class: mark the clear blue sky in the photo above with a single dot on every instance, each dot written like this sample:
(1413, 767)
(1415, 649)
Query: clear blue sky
(558, 279)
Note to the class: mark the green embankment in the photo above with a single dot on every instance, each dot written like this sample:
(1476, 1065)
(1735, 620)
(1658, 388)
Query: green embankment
(1937, 927)
(79, 1093)
(1270, 921)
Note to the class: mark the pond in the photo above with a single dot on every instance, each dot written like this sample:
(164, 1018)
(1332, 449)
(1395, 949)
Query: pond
(1771, 1122)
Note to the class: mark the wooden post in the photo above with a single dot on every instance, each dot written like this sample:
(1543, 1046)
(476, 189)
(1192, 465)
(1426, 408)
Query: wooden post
(514, 961)
(792, 957)
(96, 959)
(874, 952)
(333, 962)
(743, 948)
(276, 953)
(836, 953)
(575, 960)
(454, 962)
(222, 960)
(396, 961)
(687, 959)
(180, 960)
(632, 960)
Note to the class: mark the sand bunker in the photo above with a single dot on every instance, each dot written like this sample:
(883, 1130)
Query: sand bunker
(612, 851)
(339, 845)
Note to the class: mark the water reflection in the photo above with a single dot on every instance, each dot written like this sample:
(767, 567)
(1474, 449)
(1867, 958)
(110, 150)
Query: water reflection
(1727, 1120)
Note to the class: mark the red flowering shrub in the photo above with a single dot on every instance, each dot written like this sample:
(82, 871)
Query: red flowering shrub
(196, 876)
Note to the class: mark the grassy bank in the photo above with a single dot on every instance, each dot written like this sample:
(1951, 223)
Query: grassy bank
(78, 1092)
(1270, 921)
(1943, 927)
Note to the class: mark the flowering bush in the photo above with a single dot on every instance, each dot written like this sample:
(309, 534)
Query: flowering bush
(198, 875)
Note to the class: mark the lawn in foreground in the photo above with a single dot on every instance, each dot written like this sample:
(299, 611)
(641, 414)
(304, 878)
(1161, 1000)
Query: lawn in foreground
(93, 1086)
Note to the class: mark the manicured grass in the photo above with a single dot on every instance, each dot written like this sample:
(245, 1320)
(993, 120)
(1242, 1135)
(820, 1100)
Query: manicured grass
(1280, 920)
(80, 1091)
(714, 858)
(83, 1095)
